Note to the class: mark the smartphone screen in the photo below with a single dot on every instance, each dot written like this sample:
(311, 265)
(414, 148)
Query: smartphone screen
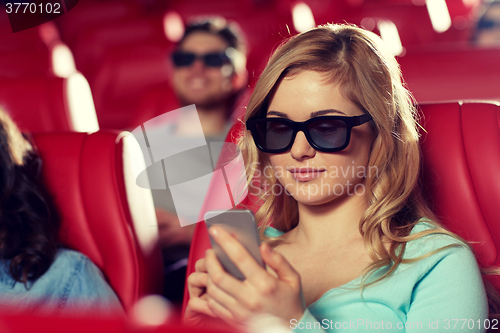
(242, 225)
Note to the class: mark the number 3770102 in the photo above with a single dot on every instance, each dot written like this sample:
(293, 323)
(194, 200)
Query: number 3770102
(32, 8)
(470, 324)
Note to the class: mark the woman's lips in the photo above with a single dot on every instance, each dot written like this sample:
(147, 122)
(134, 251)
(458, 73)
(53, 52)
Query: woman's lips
(305, 174)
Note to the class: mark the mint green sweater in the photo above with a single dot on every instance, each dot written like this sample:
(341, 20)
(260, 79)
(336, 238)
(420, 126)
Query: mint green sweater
(441, 293)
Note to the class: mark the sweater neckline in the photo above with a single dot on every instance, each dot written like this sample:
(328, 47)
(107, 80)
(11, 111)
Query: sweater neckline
(423, 224)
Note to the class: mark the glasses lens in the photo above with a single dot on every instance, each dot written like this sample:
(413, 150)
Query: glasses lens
(215, 59)
(486, 24)
(183, 59)
(328, 134)
(273, 134)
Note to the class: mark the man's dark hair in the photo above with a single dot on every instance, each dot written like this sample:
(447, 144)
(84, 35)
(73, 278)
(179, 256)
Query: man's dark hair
(484, 22)
(228, 31)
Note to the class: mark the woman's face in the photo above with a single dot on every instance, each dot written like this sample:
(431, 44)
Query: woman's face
(310, 176)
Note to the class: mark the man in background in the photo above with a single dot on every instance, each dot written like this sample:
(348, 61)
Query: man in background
(209, 71)
(487, 32)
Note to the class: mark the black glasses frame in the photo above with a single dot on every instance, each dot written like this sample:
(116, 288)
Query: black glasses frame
(302, 127)
(212, 59)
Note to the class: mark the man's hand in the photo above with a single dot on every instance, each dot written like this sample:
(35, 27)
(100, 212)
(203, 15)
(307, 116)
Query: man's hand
(171, 232)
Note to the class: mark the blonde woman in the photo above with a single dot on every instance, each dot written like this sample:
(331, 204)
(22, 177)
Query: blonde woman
(352, 246)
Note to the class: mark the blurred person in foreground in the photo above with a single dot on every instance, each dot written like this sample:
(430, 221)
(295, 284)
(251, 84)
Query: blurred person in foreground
(36, 273)
(209, 71)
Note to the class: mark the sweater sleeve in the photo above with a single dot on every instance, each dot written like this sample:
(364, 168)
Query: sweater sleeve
(443, 292)
(450, 296)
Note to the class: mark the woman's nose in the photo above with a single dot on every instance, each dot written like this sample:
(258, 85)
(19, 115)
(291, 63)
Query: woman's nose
(301, 149)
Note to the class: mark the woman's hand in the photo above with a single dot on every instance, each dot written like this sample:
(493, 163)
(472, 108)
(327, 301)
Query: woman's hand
(197, 310)
(261, 292)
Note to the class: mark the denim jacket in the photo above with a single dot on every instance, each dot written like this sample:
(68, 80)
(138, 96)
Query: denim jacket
(72, 283)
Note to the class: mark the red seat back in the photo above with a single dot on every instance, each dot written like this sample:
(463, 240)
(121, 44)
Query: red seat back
(461, 176)
(461, 172)
(452, 73)
(94, 41)
(105, 215)
(38, 52)
(49, 104)
(124, 76)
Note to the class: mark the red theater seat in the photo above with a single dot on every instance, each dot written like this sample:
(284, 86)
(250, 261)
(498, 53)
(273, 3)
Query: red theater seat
(25, 63)
(49, 104)
(88, 14)
(53, 61)
(124, 76)
(452, 73)
(30, 39)
(461, 177)
(105, 215)
(92, 44)
(35, 52)
(461, 172)
(19, 323)
(156, 101)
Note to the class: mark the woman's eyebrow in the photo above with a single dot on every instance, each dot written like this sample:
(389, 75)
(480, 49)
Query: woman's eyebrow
(313, 114)
(277, 113)
(325, 112)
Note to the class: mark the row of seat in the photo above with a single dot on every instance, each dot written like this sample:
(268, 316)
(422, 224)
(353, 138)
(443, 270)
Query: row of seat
(122, 50)
(106, 36)
(48, 104)
(452, 72)
(39, 84)
(34, 52)
(41, 104)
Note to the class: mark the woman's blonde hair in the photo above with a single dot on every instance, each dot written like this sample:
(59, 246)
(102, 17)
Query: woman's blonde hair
(369, 76)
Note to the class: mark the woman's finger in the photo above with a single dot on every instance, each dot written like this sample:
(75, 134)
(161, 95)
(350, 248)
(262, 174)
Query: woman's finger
(221, 278)
(220, 311)
(196, 305)
(222, 297)
(197, 282)
(200, 266)
(242, 294)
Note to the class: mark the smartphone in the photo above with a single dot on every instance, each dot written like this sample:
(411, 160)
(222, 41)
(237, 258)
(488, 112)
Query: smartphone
(241, 224)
